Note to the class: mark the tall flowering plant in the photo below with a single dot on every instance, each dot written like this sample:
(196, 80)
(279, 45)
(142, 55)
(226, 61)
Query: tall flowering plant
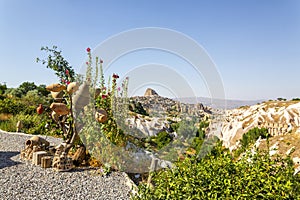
(101, 133)
(106, 95)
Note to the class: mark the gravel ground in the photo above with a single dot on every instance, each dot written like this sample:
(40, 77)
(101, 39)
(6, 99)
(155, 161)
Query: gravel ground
(22, 180)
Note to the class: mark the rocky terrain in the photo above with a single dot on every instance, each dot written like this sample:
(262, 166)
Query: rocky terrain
(279, 117)
(160, 111)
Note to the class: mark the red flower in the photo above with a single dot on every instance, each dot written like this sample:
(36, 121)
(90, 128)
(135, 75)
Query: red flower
(88, 50)
(67, 72)
(104, 96)
(68, 82)
(115, 76)
(101, 61)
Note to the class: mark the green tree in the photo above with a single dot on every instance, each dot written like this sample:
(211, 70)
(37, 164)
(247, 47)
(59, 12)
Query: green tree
(59, 64)
(3, 88)
(16, 92)
(24, 88)
(42, 90)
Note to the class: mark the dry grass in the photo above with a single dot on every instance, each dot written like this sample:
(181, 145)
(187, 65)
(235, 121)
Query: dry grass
(285, 143)
(5, 117)
(272, 104)
(238, 136)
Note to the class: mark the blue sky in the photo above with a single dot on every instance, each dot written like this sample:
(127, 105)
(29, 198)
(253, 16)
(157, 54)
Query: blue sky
(255, 44)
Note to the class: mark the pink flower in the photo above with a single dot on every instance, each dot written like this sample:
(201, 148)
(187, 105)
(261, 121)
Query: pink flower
(67, 72)
(68, 82)
(118, 88)
(87, 63)
(88, 50)
(104, 96)
(101, 61)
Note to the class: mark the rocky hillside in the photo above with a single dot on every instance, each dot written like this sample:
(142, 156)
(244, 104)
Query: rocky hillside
(155, 112)
(156, 104)
(279, 117)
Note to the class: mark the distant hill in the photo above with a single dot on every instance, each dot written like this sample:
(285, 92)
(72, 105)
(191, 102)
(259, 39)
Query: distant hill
(218, 103)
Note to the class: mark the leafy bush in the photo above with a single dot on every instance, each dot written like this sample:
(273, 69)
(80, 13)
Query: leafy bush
(296, 99)
(32, 124)
(162, 139)
(137, 108)
(11, 106)
(2, 88)
(250, 137)
(218, 176)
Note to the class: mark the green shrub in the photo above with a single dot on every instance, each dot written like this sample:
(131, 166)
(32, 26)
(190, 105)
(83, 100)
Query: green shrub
(137, 108)
(250, 138)
(162, 139)
(32, 124)
(218, 176)
(11, 106)
(252, 135)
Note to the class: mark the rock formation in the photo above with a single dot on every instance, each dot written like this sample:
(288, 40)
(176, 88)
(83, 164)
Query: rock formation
(160, 109)
(280, 118)
(150, 92)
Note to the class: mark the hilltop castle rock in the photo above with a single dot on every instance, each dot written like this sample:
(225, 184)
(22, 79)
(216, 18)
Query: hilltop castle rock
(150, 92)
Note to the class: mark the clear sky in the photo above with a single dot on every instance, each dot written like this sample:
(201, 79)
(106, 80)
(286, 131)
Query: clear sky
(255, 44)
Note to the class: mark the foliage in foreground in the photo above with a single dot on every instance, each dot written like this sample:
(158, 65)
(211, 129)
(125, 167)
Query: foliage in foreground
(218, 176)
(250, 138)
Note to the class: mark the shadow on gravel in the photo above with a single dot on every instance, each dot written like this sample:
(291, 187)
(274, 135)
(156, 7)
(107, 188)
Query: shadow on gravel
(5, 159)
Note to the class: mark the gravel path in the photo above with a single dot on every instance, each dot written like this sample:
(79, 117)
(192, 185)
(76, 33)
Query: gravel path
(22, 180)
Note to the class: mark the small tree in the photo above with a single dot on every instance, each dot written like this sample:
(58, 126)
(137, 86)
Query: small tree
(62, 110)
(3, 88)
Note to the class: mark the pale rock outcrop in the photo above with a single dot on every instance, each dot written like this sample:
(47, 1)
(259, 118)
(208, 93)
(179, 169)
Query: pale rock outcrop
(278, 117)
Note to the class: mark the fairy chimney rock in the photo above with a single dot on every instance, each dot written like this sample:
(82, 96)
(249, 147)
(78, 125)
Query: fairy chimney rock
(150, 92)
